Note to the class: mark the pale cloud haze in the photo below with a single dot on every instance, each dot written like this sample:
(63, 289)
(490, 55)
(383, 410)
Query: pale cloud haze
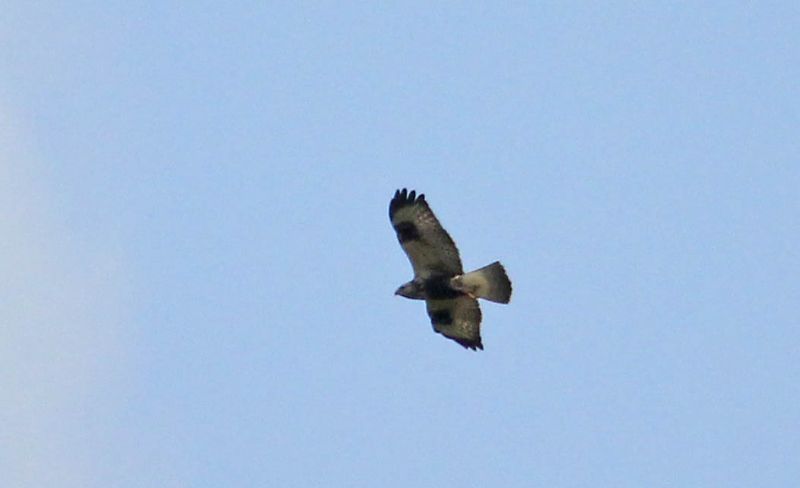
(62, 311)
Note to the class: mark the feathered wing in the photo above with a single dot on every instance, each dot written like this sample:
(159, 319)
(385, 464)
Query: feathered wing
(458, 319)
(428, 246)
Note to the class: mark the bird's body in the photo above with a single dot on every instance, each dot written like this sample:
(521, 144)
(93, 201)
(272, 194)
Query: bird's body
(450, 295)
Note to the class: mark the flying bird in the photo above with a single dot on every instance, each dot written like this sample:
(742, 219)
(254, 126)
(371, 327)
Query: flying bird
(450, 294)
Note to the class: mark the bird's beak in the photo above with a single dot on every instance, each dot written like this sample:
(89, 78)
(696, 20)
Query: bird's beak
(397, 291)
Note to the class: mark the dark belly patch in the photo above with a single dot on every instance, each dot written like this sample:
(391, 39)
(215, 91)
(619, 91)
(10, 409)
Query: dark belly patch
(439, 289)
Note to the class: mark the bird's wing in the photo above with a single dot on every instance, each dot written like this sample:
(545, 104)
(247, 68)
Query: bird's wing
(428, 246)
(458, 319)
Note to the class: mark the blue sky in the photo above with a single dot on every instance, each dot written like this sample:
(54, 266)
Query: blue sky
(198, 270)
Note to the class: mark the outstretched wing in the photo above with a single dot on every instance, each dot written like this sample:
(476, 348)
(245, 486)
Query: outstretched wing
(458, 319)
(428, 246)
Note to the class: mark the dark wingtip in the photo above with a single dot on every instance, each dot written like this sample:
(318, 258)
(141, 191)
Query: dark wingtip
(472, 345)
(403, 198)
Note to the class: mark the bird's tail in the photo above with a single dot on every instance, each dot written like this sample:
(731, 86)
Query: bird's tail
(490, 282)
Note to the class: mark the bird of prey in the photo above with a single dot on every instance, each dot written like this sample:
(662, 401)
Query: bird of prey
(450, 294)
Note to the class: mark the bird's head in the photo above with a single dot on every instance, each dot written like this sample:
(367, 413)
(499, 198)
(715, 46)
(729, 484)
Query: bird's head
(412, 289)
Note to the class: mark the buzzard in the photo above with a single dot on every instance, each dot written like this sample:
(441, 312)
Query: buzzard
(450, 294)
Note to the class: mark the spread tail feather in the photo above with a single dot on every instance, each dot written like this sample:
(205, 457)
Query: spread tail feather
(490, 282)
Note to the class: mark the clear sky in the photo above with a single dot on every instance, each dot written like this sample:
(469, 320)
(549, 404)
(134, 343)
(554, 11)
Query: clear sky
(197, 268)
